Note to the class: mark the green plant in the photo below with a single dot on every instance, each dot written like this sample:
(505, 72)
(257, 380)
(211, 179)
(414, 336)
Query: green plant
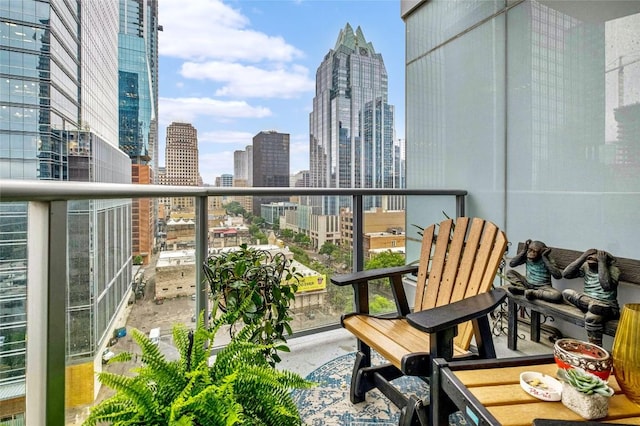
(137, 260)
(260, 287)
(381, 304)
(239, 387)
(585, 382)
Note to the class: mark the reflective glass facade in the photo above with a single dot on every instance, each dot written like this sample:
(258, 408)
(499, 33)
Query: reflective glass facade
(135, 91)
(59, 121)
(351, 127)
(137, 100)
(38, 46)
(533, 107)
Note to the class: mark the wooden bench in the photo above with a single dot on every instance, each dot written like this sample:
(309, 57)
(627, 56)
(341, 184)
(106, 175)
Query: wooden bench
(629, 279)
(458, 264)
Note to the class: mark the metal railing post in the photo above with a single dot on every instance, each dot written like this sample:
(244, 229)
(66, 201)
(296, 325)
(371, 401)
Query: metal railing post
(460, 207)
(358, 234)
(46, 313)
(202, 251)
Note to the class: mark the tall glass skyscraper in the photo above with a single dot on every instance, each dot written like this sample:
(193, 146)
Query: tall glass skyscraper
(137, 97)
(351, 127)
(135, 91)
(59, 121)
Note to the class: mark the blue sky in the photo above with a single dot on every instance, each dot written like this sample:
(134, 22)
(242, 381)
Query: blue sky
(234, 68)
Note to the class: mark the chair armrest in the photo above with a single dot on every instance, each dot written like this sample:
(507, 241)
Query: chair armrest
(443, 317)
(359, 281)
(372, 274)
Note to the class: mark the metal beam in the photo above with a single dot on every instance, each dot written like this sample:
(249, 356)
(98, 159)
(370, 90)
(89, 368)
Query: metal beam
(46, 312)
(358, 234)
(202, 251)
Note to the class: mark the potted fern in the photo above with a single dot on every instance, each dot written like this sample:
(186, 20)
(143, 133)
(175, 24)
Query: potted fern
(237, 386)
(260, 287)
(584, 393)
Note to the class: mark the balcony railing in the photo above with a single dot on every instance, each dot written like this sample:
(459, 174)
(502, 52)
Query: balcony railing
(48, 263)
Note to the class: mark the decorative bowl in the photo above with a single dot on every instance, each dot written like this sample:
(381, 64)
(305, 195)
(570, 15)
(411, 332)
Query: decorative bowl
(541, 386)
(593, 359)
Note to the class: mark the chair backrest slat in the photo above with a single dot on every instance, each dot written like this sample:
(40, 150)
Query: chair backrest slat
(458, 259)
(438, 262)
(467, 263)
(423, 268)
(456, 248)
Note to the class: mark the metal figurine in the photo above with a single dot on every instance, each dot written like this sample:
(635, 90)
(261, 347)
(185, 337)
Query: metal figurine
(539, 270)
(599, 301)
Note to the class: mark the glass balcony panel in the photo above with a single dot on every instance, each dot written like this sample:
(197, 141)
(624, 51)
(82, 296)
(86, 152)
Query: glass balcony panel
(109, 292)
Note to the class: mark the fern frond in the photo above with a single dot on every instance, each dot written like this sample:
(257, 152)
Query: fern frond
(121, 357)
(198, 381)
(271, 388)
(237, 354)
(167, 374)
(181, 340)
(217, 404)
(183, 421)
(132, 388)
(112, 410)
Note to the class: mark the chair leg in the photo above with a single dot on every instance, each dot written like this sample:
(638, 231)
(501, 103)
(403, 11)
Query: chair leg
(356, 391)
(414, 414)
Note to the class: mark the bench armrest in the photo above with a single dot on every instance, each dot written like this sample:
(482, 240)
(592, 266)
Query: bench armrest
(372, 274)
(441, 318)
(360, 281)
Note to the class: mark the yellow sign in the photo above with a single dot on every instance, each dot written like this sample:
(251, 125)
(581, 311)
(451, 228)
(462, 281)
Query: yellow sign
(311, 283)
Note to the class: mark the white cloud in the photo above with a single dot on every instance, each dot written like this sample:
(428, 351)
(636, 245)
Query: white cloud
(249, 81)
(188, 109)
(206, 29)
(215, 164)
(299, 153)
(226, 137)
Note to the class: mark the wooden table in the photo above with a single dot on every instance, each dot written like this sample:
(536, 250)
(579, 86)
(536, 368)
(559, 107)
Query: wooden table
(488, 392)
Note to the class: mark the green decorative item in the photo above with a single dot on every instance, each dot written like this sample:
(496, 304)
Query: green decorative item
(236, 387)
(260, 287)
(625, 352)
(584, 393)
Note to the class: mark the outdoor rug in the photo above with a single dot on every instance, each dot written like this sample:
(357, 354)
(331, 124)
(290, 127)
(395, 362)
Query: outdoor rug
(329, 404)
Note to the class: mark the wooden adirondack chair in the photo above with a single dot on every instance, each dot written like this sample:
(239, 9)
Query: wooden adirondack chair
(458, 263)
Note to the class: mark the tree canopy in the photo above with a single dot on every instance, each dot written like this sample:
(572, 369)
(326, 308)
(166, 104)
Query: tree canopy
(385, 259)
(235, 209)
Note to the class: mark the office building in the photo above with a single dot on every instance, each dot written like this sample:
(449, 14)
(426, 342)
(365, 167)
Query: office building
(300, 179)
(376, 221)
(240, 165)
(270, 160)
(249, 150)
(351, 126)
(59, 107)
(272, 212)
(225, 180)
(138, 92)
(244, 200)
(181, 158)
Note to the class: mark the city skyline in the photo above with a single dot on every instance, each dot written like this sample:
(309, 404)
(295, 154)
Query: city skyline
(212, 85)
